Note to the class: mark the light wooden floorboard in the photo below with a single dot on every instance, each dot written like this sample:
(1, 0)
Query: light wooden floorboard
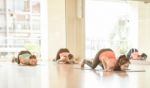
(53, 75)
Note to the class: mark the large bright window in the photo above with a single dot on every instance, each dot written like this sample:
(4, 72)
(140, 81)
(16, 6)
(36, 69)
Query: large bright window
(110, 24)
(22, 27)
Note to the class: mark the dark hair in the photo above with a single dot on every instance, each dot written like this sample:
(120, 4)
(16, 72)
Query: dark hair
(32, 57)
(70, 56)
(61, 51)
(130, 52)
(121, 60)
(22, 52)
(143, 56)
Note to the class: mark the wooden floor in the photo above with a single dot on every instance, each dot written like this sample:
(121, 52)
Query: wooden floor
(53, 75)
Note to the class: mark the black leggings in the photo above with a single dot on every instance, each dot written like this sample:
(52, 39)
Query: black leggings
(96, 61)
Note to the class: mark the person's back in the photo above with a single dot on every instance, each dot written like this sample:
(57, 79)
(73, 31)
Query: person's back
(108, 60)
(108, 54)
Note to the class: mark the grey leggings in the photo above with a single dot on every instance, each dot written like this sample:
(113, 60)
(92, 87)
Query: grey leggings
(93, 64)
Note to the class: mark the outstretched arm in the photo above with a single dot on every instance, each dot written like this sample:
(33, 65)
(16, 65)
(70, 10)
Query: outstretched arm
(108, 63)
(103, 60)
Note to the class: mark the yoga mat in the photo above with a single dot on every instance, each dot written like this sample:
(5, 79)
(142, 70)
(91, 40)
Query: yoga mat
(140, 62)
(133, 70)
(86, 68)
(129, 70)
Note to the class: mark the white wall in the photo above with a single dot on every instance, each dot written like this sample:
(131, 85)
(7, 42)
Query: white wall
(75, 28)
(65, 29)
(144, 28)
(56, 26)
(59, 27)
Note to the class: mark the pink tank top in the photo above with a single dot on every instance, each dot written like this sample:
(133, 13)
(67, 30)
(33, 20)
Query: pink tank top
(109, 54)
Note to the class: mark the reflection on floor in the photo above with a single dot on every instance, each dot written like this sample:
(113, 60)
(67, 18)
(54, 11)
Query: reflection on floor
(53, 75)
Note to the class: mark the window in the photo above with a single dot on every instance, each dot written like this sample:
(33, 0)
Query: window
(20, 27)
(110, 24)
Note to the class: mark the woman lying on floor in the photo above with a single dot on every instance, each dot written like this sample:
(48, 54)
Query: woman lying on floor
(108, 61)
(64, 56)
(25, 58)
(134, 54)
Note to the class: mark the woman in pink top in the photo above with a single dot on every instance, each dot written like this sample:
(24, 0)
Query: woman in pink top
(135, 55)
(107, 59)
